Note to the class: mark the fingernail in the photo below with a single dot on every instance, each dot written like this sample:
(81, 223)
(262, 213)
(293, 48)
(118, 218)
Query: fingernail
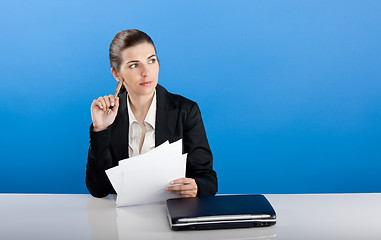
(172, 183)
(167, 189)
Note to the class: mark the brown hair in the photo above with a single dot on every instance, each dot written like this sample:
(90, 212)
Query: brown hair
(122, 40)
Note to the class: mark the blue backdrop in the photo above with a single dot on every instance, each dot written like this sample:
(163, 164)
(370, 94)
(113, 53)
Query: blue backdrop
(290, 91)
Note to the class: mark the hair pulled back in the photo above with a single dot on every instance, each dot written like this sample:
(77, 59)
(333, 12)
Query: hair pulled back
(123, 40)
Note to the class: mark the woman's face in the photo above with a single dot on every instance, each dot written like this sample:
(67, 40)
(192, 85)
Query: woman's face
(139, 69)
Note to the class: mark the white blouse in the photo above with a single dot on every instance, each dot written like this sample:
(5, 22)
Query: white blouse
(135, 130)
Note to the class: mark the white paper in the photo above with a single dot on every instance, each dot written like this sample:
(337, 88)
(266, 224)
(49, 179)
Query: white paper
(146, 185)
(143, 179)
(115, 174)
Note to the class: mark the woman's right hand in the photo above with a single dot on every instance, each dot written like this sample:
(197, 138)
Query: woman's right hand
(101, 114)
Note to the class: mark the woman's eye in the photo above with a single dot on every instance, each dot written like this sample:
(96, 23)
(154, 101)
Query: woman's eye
(133, 65)
(152, 60)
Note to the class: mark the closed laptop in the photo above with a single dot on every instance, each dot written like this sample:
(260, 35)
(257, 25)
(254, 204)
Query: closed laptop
(217, 212)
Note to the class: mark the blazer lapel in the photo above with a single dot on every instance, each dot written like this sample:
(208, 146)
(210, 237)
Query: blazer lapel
(119, 140)
(166, 121)
(165, 125)
(166, 116)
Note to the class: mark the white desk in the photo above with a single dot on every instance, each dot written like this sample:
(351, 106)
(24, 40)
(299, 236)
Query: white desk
(80, 216)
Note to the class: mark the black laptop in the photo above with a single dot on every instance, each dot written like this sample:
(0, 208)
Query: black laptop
(217, 212)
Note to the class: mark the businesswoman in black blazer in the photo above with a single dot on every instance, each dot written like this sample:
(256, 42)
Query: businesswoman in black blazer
(143, 116)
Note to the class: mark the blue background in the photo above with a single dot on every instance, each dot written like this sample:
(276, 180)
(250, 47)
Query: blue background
(290, 91)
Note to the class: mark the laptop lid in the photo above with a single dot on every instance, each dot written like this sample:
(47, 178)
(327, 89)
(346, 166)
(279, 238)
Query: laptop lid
(227, 211)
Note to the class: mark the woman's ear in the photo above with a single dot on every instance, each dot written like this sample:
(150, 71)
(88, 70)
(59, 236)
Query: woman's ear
(115, 74)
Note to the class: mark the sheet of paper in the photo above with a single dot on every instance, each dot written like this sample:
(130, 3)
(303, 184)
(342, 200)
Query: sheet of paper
(165, 150)
(143, 178)
(148, 184)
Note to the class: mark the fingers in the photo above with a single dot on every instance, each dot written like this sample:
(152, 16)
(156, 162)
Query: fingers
(110, 101)
(187, 187)
(104, 103)
(96, 103)
(107, 100)
(184, 193)
(181, 187)
(190, 193)
(115, 104)
(183, 181)
(101, 113)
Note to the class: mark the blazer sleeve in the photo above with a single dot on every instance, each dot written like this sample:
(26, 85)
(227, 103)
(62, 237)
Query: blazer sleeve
(200, 158)
(99, 159)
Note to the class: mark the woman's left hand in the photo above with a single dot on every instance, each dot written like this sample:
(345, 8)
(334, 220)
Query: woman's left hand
(187, 189)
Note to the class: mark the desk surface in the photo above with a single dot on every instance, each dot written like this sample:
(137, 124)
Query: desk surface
(80, 216)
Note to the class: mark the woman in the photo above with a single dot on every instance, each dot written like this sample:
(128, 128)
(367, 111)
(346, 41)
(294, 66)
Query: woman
(143, 116)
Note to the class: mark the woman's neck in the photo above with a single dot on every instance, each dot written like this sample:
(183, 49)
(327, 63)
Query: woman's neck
(140, 105)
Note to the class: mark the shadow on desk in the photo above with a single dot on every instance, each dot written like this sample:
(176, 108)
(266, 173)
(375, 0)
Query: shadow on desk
(150, 222)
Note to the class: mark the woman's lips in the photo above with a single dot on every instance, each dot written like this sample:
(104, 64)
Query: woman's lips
(145, 83)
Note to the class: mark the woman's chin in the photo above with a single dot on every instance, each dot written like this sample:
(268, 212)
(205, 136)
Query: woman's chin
(147, 90)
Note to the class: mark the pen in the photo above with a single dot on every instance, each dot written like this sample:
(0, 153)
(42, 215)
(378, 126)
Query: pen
(118, 88)
(116, 92)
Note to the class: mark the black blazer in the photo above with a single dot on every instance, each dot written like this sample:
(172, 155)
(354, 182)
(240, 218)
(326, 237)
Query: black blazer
(176, 118)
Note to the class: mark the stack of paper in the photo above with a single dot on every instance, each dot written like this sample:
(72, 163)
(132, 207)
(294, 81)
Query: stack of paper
(144, 178)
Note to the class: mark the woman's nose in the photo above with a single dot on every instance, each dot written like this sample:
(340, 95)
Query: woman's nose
(145, 71)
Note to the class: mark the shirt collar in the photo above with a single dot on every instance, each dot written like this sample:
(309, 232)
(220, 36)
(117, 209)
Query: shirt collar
(151, 114)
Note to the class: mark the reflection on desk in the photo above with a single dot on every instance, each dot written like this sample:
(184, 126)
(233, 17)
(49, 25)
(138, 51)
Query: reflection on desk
(150, 222)
(80, 216)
